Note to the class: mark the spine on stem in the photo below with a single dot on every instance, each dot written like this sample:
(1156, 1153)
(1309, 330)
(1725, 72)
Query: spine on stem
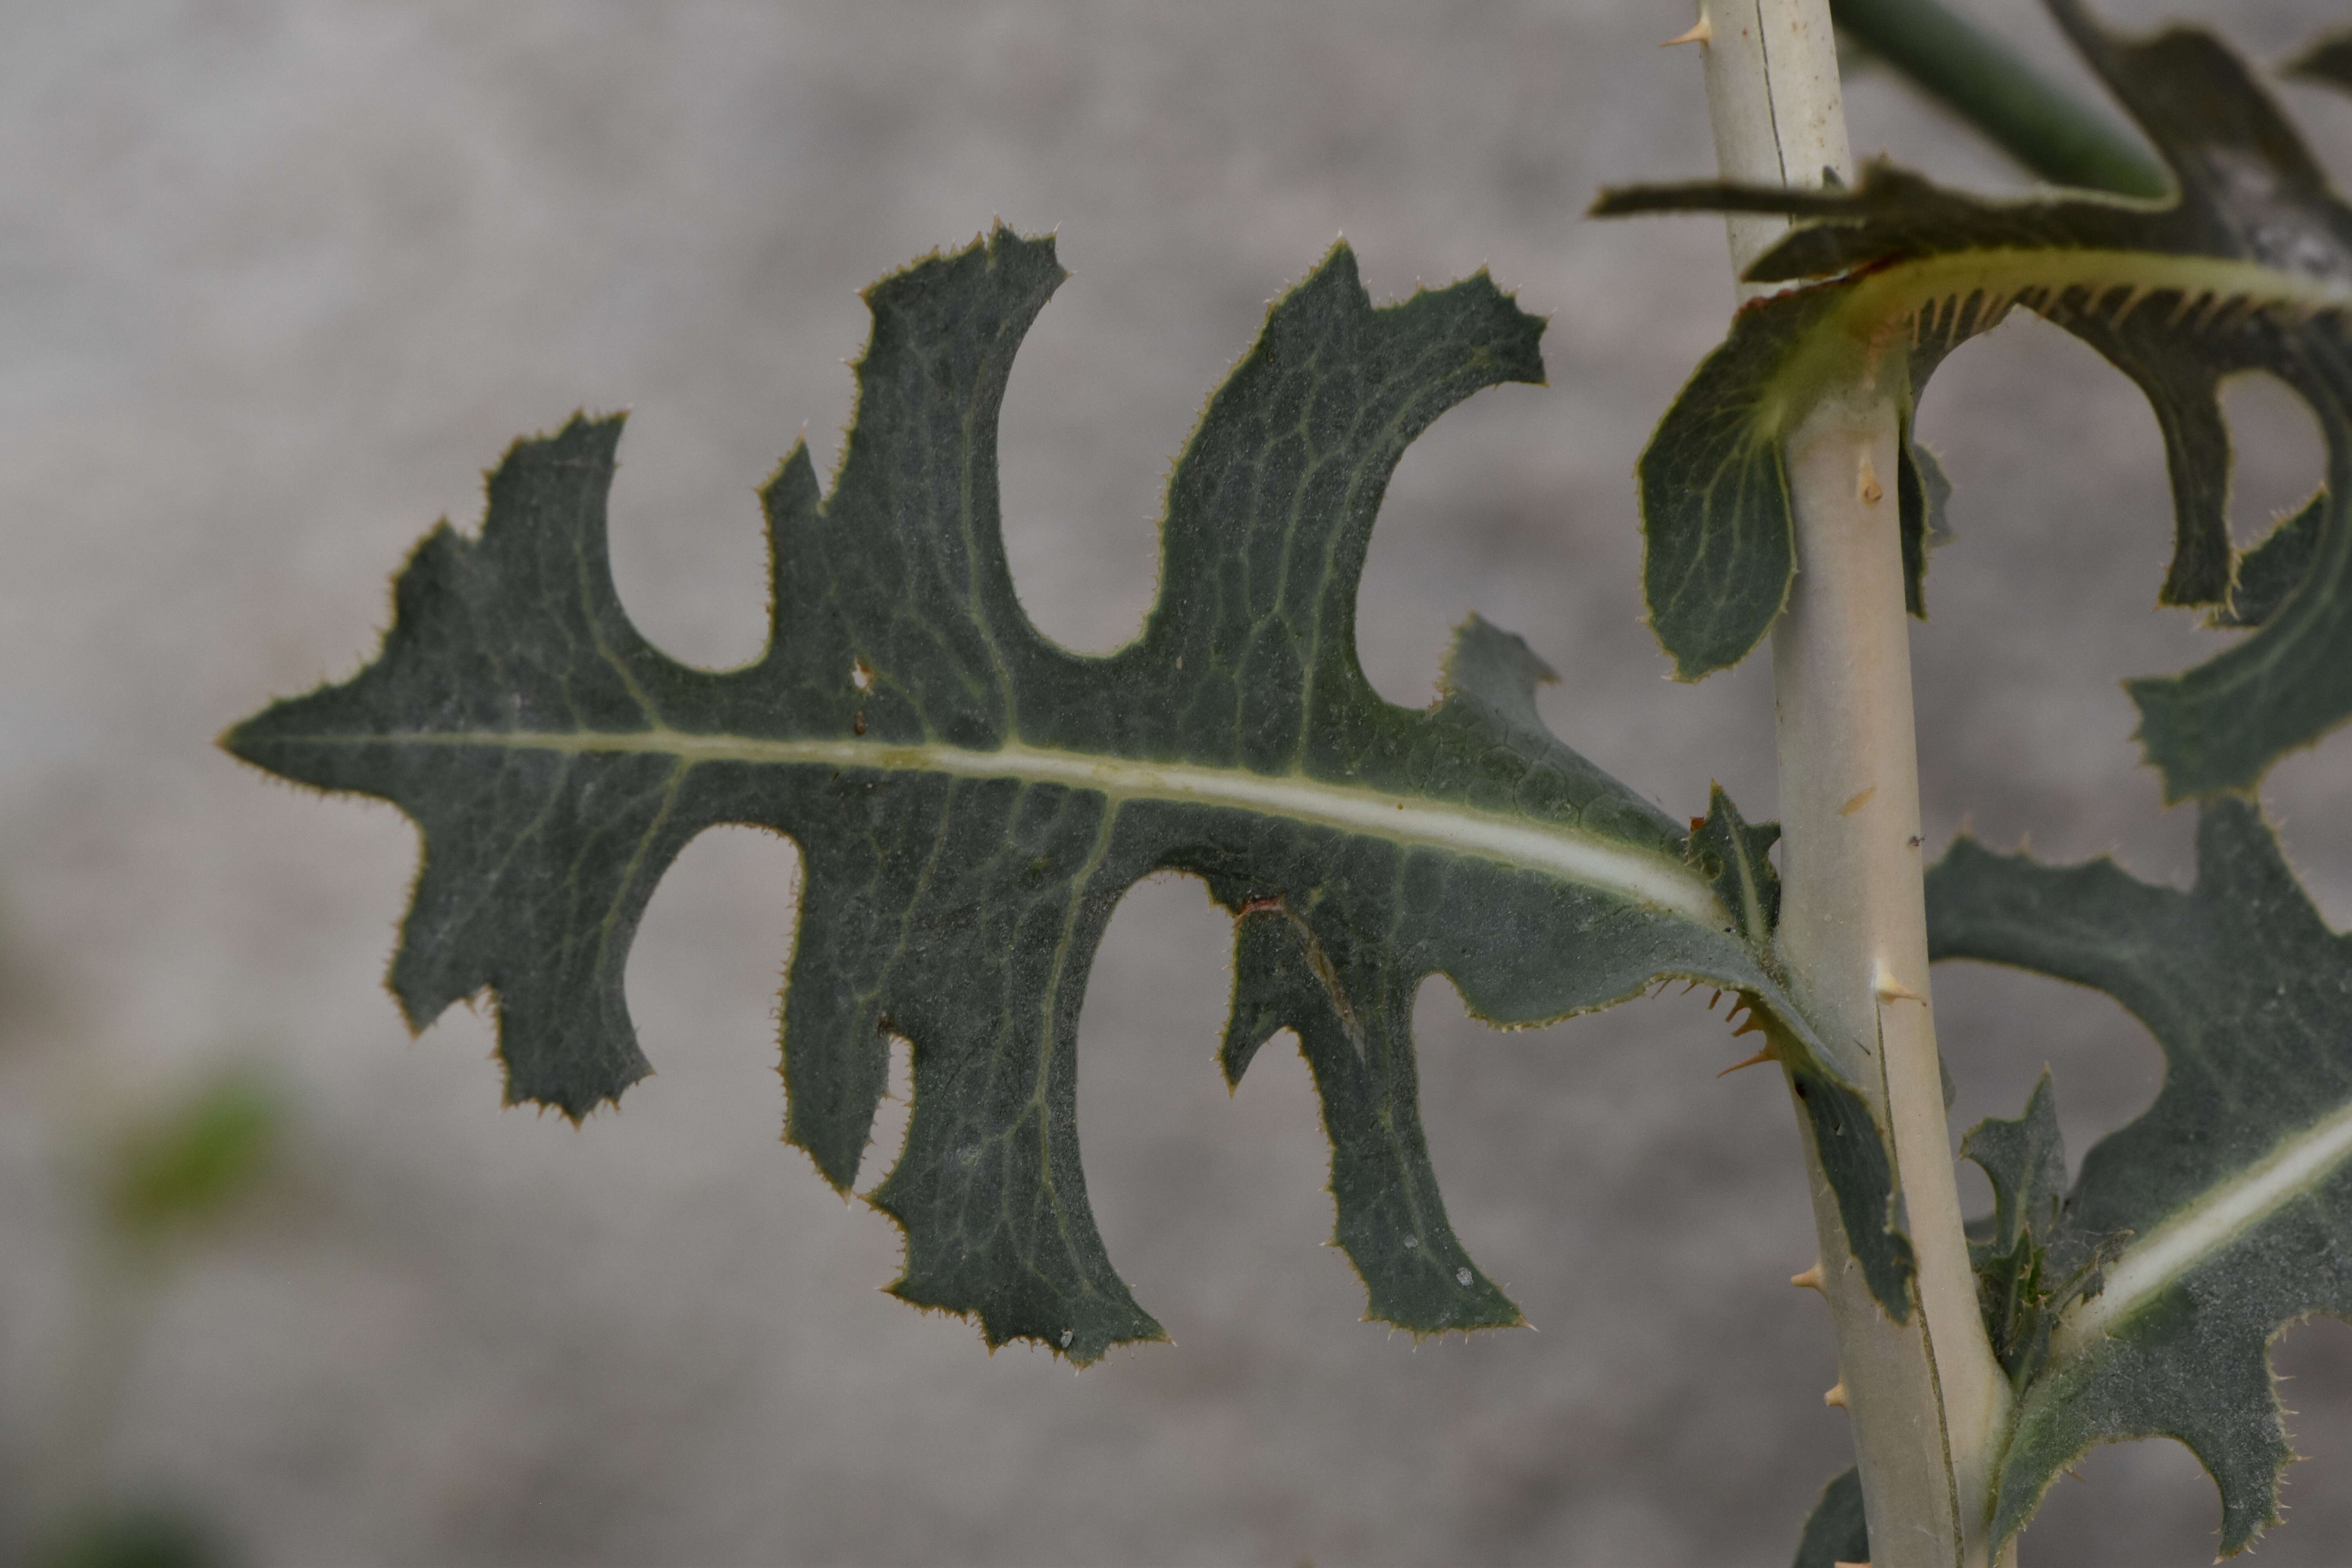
(1927, 1398)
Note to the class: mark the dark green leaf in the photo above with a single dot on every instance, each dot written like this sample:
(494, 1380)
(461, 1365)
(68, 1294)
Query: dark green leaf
(1836, 1531)
(1922, 490)
(1860, 1171)
(2215, 1230)
(972, 801)
(2247, 268)
(1924, 494)
(2020, 1290)
(1719, 538)
(1734, 859)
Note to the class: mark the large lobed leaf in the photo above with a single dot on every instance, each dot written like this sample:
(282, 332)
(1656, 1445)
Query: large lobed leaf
(2218, 1218)
(970, 800)
(2247, 268)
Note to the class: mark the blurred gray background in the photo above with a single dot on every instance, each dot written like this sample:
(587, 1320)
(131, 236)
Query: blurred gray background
(278, 278)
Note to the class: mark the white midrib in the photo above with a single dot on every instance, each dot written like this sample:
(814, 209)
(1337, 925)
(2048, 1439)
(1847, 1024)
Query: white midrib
(2207, 1226)
(1576, 857)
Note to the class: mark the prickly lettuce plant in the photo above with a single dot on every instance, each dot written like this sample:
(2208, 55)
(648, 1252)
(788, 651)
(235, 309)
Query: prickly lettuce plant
(972, 801)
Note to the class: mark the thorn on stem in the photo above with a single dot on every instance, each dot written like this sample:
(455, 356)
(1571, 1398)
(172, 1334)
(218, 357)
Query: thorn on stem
(1701, 31)
(1867, 487)
(1835, 1397)
(1766, 1054)
(1811, 1279)
(1893, 990)
(1858, 801)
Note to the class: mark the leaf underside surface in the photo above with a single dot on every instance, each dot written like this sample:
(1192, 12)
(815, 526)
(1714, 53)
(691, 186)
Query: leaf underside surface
(970, 801)
(2195, 1237)
(2247, 268)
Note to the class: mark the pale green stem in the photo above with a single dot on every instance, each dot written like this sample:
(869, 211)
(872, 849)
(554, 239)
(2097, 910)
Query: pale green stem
(1927, 1400)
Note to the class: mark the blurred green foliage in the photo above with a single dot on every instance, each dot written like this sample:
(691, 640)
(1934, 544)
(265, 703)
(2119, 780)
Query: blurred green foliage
(192, 1161)
(148, 1537)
